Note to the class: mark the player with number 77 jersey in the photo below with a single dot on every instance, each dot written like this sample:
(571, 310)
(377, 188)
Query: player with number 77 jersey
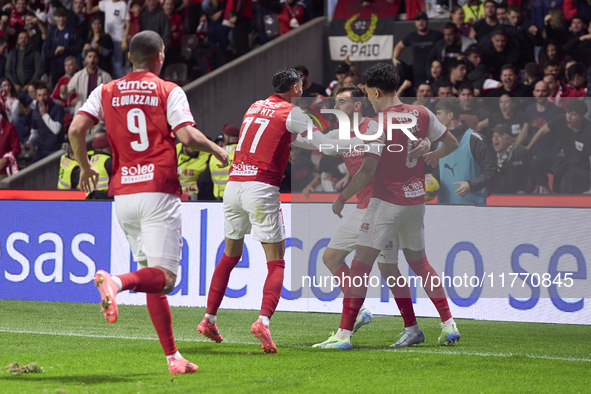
(251, 199)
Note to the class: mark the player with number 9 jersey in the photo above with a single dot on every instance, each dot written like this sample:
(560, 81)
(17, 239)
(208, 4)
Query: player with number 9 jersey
(141, 111)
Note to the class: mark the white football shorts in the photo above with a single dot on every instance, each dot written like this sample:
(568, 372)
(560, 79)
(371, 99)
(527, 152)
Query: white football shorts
(152, 224)
(383, 221)
(345, 238)
(253, 206)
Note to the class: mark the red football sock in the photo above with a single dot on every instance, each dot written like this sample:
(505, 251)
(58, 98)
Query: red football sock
(272, 287)
(353, 301)
(343, 273)
(437, 294)
(219, 283)
(159, 311)
(404, 302)
(145, 280)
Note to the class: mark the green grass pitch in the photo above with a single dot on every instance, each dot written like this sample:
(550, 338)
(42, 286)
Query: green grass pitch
(81, 353)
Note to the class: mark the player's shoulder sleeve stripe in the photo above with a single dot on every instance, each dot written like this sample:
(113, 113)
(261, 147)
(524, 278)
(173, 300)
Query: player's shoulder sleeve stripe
(91, 116)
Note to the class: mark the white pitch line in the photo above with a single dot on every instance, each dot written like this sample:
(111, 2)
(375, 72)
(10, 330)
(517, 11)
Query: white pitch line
(408, 350)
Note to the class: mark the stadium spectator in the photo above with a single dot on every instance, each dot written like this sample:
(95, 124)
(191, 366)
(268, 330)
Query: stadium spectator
(537, 115)
(102, 161)
(219, 173)
(17, 18)
(444, 89)
(512, 163)
(102, 42)
(500, 51)
(470, 105)
(85, 80)
(69, 172)
(420, 41)
(61, 43)
(579, 49)
(10, 148)
(554, 67)
(435, 73)
(578, 27)
(450, 47)
(71, 67)
(554, 90)
(153, 18)
(290, 15)
(502, 14)
(473, 11)
(191, 163)
(482, 28)
(472, 57)
(11, 102)
(46, 125)
(510, 85)
(135, 12)
(507, 115)
(555, 28)
(149, 212)
(77, 20)
(343, 70)
(571, 171)
(541, 8)
(240, 17)
(528, 36)
(465, 174)
(424, 94)
(457, 73)
(550, 51)
(117, 26)
(531, 72)
(173, 50)
(24, 64)
(577, 84)
(38, 32)
(311, 89)
(457, 16)
(3, 50)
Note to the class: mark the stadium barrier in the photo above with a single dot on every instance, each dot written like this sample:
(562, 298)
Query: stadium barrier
(50, 251)
(42, 175)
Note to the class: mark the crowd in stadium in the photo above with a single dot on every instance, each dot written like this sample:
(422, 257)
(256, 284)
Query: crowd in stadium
(493, 56)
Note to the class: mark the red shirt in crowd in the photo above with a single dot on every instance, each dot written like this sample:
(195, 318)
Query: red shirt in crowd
(56, 92)
(176, 30)
(295, 10)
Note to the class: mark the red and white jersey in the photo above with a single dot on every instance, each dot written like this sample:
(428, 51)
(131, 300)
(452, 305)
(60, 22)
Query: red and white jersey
(140, 112)
(263, 147)
(399, 180)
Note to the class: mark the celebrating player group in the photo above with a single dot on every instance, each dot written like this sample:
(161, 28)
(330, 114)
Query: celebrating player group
(144, 182)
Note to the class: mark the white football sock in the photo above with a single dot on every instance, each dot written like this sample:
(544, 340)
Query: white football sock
(176, 356)
(118, 282)
(413, 328)
(447, 324)
(265, 320)
(343, 334)
(211, 318)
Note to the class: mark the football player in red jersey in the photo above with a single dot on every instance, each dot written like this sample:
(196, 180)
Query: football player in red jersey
(397, 205)
(344, 240)
(251, 199)
(141, 112)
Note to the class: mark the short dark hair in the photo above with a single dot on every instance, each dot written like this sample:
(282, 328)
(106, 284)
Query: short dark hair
(93, 50)
(302, 69)
(60, 12)
(577, 106)
(508, 67)
(449, 104)
(452, 26)
(355, 91)
(474, 48)
(514, 8)
(382, 76)
(41, 86)
(574, 70)
(284, 79)
(135, 2)
(439, 85)
(145, 47)
(455, 63)
(491, 1)
(582, 18)
(532, 69)
(466, 86)
(499, 32)
(551, 63)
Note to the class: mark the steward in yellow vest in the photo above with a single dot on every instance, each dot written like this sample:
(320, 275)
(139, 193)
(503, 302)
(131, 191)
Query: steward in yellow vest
(69, 174)
(191, 163)
(220, 175)
(102, 160)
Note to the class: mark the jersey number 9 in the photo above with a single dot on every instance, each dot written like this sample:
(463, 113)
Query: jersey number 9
(136, 123)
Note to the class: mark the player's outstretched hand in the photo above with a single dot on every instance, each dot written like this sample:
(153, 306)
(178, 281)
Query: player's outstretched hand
(337, 208)
(431, 159)
(88, 179)
(421, 147)
(222, 156)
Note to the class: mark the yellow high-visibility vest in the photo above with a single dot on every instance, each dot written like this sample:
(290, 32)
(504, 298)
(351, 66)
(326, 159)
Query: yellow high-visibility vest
(67, 165)
(190, 168)
(220, 176)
